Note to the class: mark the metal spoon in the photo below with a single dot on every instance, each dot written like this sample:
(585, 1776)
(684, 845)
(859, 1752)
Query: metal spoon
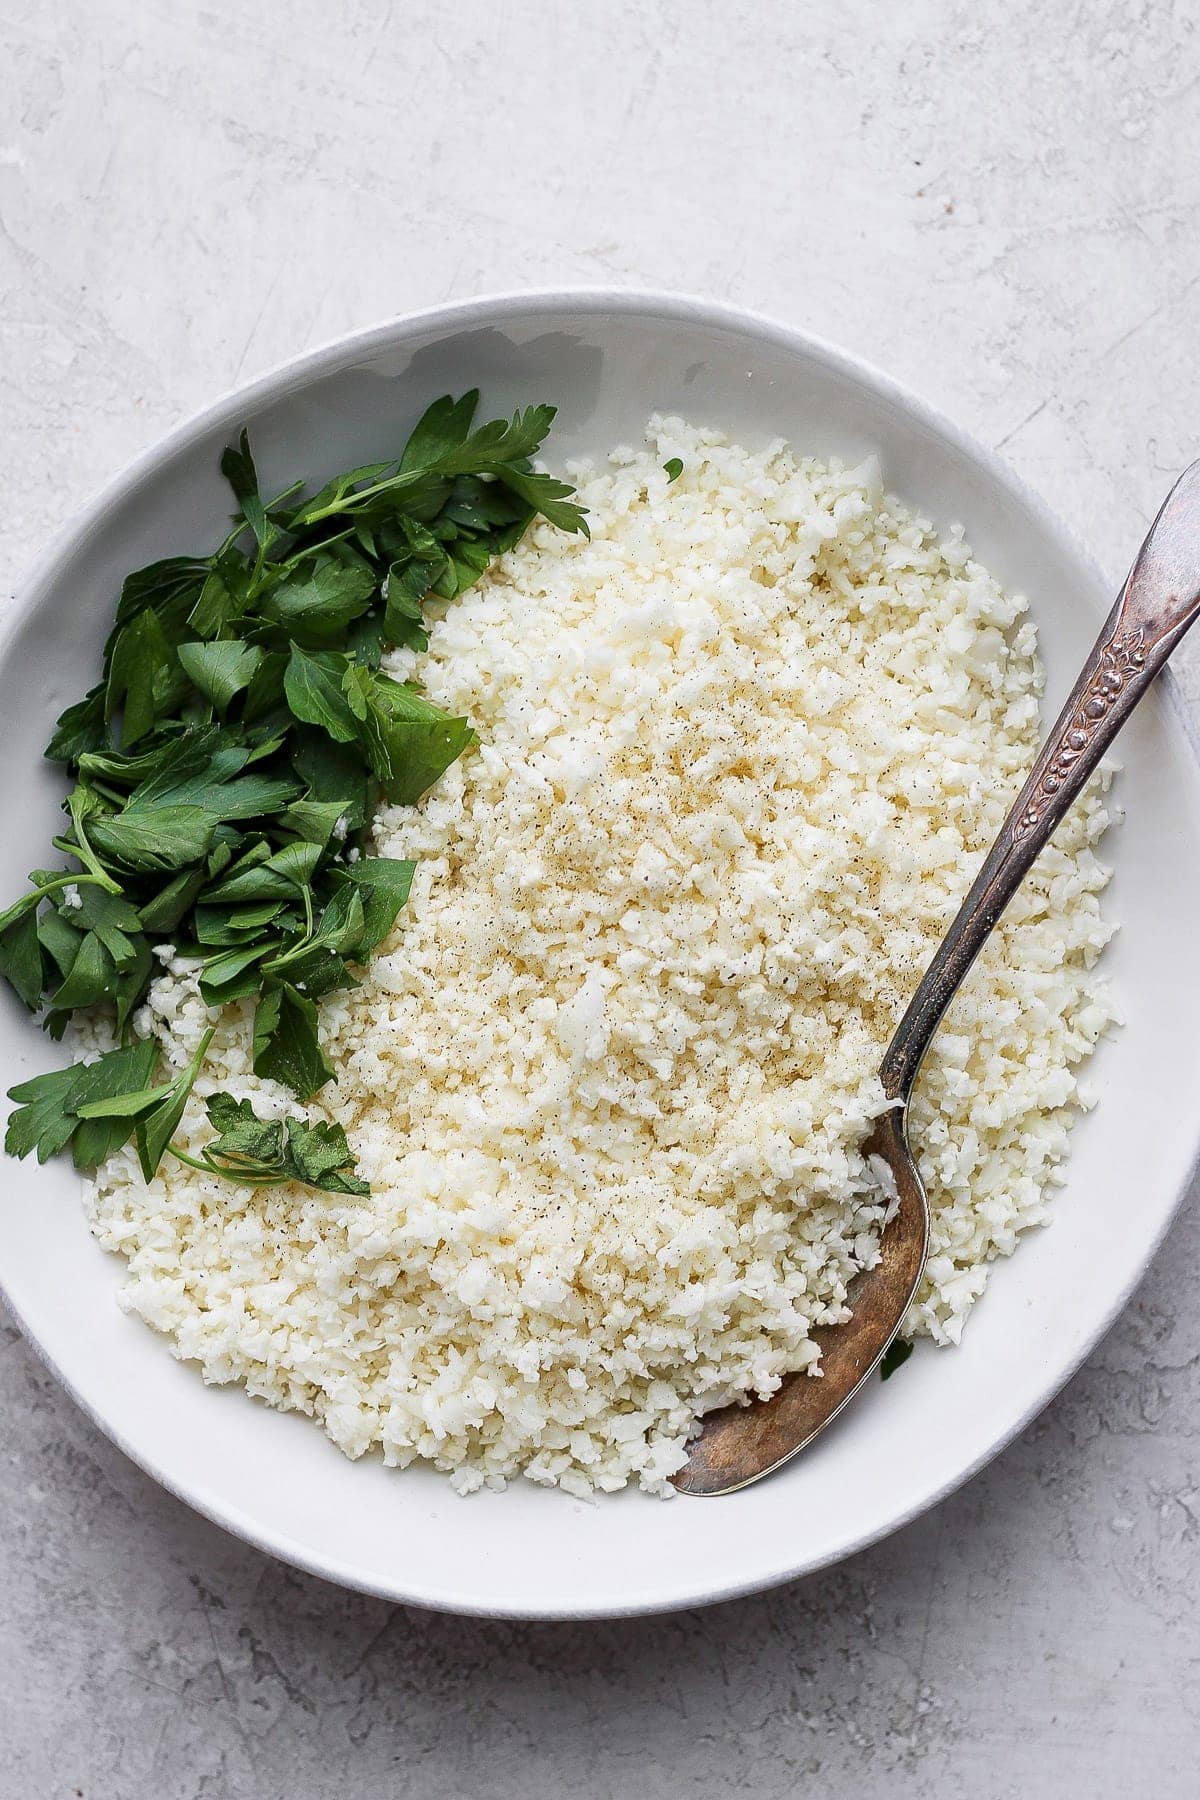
(1160, 600)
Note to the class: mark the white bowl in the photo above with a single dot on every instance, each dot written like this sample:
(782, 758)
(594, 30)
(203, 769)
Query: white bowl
(608, 360)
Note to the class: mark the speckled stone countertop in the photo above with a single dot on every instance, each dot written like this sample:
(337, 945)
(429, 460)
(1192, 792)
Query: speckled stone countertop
(1000, 204)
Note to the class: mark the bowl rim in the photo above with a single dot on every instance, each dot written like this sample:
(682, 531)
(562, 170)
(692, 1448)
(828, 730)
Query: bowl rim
(669, 306)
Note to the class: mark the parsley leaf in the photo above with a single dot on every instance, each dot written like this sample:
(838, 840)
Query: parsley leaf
(169, 588)
(145, 680)
(42, 1121)
(243, 1135)
(894, 1357)
(48, 1114)
(383, 884)
(262, 1153)
(21, 958)
(156, 1124)
(220, 670)
(441, 430)
(119, 1070)
(315, 607)
(409, 742)
(312, 684)
(80, 728)
(320, 1157)
(227, 593)
(286, 1048)
(146, 839)
(237, 466)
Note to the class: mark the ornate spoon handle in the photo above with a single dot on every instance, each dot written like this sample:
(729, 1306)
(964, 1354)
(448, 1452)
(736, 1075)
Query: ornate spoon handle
(1160, 600)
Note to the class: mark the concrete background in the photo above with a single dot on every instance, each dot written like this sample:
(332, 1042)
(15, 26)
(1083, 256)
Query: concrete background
(998, 202)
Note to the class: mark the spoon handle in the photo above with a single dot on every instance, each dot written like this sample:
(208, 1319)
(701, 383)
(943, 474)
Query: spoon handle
(1160, 600)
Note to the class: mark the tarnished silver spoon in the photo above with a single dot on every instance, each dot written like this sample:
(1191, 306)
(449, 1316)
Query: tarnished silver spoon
(1160, 600)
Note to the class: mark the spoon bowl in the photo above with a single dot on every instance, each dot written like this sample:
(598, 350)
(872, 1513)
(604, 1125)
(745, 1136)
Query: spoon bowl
(740, 1444)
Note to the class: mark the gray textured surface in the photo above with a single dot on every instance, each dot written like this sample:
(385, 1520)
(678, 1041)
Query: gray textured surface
(1000, 204)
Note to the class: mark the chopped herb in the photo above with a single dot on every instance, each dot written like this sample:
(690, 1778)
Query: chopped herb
(285, 1042)
(48, 1116)
(673, 468)
(266, 1153)
(226, 765)
(894, 1357)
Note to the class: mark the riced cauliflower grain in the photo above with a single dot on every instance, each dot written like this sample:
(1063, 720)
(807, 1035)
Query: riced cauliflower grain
(740, 756)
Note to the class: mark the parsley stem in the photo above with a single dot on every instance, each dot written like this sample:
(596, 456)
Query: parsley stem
(84, 853)
(223, 1174)
(67, 880)
(193, 1162)
(354, 497)
(246, 1178)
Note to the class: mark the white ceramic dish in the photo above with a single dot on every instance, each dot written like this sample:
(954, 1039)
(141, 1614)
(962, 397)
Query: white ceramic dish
(608, 360)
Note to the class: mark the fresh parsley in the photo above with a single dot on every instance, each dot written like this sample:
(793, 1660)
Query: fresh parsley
(894, 1357)
(263, 1153)
(224, 772)
(673, 468)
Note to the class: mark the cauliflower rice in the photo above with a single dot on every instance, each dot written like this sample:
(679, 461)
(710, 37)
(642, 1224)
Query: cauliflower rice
(740, 757)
